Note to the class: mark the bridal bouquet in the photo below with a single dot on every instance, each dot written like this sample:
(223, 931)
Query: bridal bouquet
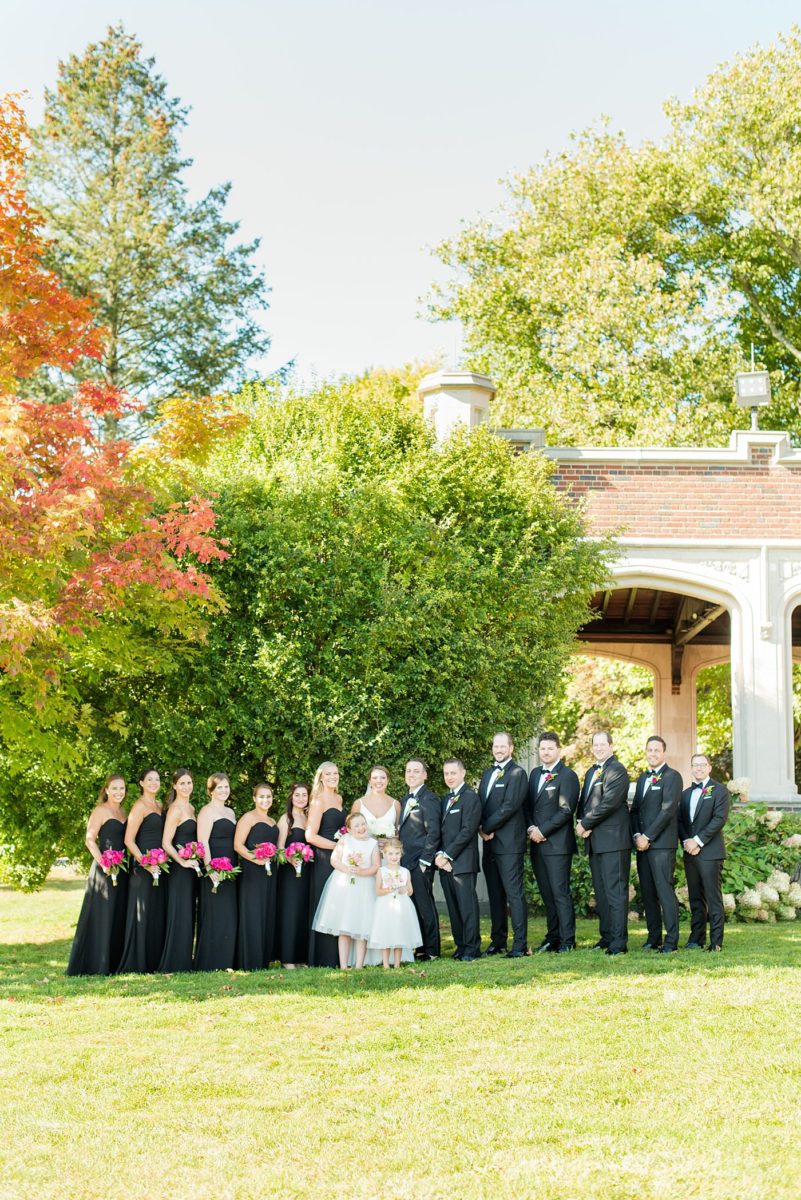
(194, 853)
(155, 858)
(112, 862)
(220, 869)
(298, 853)
(265, 852)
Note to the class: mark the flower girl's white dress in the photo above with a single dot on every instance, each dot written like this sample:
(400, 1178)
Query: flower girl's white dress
(394, 918)
(347, 902)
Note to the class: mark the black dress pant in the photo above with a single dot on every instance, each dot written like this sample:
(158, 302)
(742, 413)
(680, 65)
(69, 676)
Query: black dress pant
(610, 881)
(655, 869)
(462, 902)
(706, 898)
(423, 900)
(552, 873)
(506, 894)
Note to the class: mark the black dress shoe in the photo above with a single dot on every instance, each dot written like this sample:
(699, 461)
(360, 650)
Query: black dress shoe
(426, 957)
(614, 952)
(668, 949)
(598, 946)
(714, 949)
(693, 946)
(457, 955)
(545, 946)
(495, 950)
(516, 954)
(467, 958)
(568, 946)
(652, 946)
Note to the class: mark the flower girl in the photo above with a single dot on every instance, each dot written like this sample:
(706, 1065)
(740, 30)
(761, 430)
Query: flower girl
(395, 925)
(348, 899)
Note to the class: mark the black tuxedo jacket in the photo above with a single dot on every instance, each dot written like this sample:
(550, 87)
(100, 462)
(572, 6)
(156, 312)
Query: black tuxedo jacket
(420, 829)
(551, 808)
(460, 831)
(603, 808)
(502, 809)
(655, 813)
(710, 817)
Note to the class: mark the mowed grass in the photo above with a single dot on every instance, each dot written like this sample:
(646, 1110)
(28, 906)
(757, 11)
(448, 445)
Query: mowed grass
(561, 1077)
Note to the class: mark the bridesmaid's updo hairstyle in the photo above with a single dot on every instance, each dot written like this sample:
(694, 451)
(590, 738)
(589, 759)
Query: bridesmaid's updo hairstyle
(263, 783)
(176, 775)
(299, 783)
(142, 776)
(317, 785)
(213, 780)
(102, 795)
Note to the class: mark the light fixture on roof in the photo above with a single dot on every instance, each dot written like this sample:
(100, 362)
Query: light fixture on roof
(752, 389)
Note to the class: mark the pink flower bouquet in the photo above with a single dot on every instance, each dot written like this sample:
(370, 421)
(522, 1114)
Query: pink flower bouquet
(354, 860)
(265, 852)
(156, 862)
(112, 862)
(298, 853)
(194, 853)
(220, 869)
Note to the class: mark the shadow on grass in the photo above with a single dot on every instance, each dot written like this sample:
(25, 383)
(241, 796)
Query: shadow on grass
(34, 972)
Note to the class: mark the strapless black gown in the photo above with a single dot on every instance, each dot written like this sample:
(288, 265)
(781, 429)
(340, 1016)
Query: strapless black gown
(255, 940)
(323, 948)
(147, 907)
(293, 906)
(217, 917)
(100, 932)
(179, 938)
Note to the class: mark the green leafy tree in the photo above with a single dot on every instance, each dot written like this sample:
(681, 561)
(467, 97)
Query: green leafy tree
(620, 288)
(384, 596)
(179, 299)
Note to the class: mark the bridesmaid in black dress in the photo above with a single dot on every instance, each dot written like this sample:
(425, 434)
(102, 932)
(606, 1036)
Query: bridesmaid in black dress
(326, 817)
(147, 903)
(97, 948)
(293, 889)
(180, 827)
(255, 942)
(216, 918)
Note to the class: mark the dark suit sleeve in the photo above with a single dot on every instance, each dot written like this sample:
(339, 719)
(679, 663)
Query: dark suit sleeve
(634, 815)
(684, 831)
(720, 814)
(671, 798)
(514, 796)
(568, 799)
(431, 806)
(471, 819)
(613, 794)
(531, 796)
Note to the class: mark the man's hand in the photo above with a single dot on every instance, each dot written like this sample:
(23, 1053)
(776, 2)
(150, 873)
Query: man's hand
(691, 846)
(535, 834)
(581, 831)
(641, 842)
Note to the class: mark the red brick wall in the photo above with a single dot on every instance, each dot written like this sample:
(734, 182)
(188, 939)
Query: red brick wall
(687, 500)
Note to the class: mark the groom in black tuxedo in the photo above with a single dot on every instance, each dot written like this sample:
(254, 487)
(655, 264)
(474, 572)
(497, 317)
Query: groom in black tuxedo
(553, 793)
(655, 829)
(457, 860)
(703, 812)
(419, 830)
(604, 824)
(502, 791)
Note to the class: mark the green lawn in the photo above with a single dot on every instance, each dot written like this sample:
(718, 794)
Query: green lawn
(574, 1077)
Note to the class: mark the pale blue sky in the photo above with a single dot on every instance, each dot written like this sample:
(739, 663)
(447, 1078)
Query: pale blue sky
(358, 134)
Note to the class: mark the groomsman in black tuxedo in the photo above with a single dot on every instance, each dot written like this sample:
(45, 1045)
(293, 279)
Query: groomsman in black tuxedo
(458, 860)
(420, 829)
(703, 812)
(604, 824)
(655, 829)
(553, 793)
(502, 791)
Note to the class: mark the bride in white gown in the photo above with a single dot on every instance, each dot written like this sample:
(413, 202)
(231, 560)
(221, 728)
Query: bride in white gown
(381, 812)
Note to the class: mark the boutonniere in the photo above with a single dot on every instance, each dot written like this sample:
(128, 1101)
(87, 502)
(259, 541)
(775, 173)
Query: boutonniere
(654, 779)
(411, 805)
(549, 775)
(500, 777)
(708, 790)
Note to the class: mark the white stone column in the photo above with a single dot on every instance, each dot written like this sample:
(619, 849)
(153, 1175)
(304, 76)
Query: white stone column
(454, 398)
